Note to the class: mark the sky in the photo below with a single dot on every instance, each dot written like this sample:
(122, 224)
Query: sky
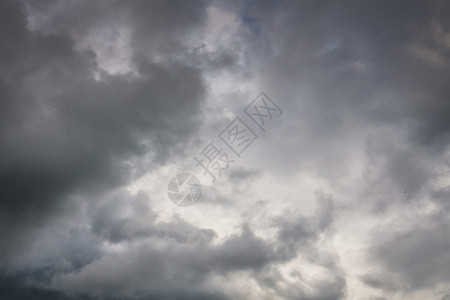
(342, 193)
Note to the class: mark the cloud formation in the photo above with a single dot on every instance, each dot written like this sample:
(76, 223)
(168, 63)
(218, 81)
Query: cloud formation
(344, 197)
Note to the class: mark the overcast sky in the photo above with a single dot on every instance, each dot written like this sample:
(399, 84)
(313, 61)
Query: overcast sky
(342, 194)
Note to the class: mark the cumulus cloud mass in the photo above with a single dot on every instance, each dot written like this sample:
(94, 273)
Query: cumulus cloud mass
(331, 121)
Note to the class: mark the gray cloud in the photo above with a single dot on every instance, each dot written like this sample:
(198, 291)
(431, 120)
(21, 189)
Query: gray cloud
(176, 256)
(93, 95)
(415, 258)
(64, 131)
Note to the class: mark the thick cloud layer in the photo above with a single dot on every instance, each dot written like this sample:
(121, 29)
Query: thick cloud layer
(66, 131)
(343, 197)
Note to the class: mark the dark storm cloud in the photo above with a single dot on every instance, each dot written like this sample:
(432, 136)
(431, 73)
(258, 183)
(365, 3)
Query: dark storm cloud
(347, 69)
(63, 131)
(181, 266)
(368, 76)
(299, 237)
(344, 70)
(109, 222)
(156, 26)
(378, 281)
(13, 289)
(66, 133)
(185, 256)
(412, 259)
(326, 45)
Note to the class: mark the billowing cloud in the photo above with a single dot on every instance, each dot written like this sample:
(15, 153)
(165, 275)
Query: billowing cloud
(345, 196)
